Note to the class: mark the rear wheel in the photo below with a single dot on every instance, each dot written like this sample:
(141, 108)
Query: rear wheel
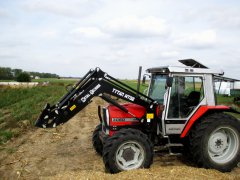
(96, 141)
(215, 142)
(126, 150)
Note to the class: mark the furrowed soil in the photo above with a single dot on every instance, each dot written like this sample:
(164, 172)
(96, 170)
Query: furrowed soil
(66, 152)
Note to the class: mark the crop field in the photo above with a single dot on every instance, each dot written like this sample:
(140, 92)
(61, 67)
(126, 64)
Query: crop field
(66, 152)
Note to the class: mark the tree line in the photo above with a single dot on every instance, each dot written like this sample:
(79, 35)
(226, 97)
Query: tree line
(7, 73)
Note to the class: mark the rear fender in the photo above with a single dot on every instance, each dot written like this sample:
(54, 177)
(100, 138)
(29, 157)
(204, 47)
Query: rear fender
(201, 112)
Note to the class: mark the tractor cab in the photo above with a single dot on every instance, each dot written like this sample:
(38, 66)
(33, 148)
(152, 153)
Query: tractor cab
(181, 90)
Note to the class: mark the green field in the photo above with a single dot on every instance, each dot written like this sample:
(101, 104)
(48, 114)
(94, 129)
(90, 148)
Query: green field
(20, 107)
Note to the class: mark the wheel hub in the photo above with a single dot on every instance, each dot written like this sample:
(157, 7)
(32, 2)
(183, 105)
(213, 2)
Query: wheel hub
(223, 144)
(130, 155)
(218, 142)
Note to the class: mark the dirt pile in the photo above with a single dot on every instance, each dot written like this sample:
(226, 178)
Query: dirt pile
(160, 172)
(67, 153)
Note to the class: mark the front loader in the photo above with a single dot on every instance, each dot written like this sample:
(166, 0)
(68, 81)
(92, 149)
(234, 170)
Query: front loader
(178, 111)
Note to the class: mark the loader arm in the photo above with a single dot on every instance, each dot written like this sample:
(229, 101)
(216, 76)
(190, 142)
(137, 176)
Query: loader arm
(94, 83)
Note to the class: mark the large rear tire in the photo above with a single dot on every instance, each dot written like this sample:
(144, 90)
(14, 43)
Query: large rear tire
(215, 142)
(96, 141)
(126, 150)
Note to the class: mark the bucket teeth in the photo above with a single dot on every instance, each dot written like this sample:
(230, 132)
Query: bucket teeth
(44, 117)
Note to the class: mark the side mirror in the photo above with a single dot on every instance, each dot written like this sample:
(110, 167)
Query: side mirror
(145, 77)
(144, 80)
(169, 81)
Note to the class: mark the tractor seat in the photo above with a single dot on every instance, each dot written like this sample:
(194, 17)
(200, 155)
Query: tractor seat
(193, 98)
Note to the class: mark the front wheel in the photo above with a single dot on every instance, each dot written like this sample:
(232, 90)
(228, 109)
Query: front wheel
(96, 141)
(215, 142)
(126, 150)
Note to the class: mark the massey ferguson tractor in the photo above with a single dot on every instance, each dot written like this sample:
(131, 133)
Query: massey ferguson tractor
(178, 110)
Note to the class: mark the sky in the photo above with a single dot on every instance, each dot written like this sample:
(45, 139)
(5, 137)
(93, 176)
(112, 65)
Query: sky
(69, 37)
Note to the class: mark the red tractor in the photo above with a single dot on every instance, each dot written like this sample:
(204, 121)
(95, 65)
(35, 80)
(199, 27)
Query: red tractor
(179, 110)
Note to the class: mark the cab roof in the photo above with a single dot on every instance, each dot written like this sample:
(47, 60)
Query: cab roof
(191, 67)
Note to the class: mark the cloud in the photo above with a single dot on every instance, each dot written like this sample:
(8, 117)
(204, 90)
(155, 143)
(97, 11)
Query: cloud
(203, 39)
(63, 7)
(87, 32)
(3, 57)
(61, 36)
(3, 13)
(160, 51)
(134, 27)
(226, 18)
(169, 54)
(12, 43)
(220, 17)
(49, 34)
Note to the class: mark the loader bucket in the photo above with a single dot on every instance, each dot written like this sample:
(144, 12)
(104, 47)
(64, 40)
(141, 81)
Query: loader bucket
(46, 118)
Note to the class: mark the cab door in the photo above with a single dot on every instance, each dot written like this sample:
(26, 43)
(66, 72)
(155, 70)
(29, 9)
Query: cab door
(184, 97)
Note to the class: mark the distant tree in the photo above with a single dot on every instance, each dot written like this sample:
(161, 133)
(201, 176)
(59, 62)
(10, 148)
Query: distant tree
(16, 72)
(23, 77)
(10, 74)
(6, 73)
(44, 75)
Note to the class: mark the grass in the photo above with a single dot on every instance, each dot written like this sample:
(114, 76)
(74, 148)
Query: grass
(227, 100)
(8, 80)
(24, 104)
(133, 84)
(21, 105)
(5, 136)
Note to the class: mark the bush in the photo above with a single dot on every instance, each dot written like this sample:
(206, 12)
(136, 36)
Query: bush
(23, 77)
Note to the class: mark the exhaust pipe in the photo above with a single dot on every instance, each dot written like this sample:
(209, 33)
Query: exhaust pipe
(139, 78)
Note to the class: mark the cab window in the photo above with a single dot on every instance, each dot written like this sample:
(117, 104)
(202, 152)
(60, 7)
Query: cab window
(186, 94)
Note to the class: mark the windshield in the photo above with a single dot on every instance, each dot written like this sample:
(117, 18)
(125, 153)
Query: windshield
(157, 87)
